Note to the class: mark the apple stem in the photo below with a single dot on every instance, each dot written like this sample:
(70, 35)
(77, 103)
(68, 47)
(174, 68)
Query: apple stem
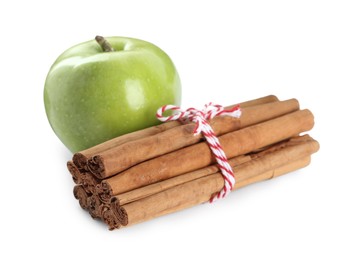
(104, 44)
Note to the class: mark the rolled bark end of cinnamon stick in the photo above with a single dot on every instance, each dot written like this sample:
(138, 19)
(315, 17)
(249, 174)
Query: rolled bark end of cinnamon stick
(109, 218)
(94, 204)
(104, 192)
(89, 182)
(74, 171)
(82, 177)
(80, 160)
(96, 166)
(81, 195)
(118, 211)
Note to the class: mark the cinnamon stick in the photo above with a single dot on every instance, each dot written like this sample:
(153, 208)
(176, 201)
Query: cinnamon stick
(81, 195)
(75, 172)
(80, 159)
(84, 189)
(198, 156)
(89, 182)
(110, 218)
(200, 190)
(119, 158)
(94, 206)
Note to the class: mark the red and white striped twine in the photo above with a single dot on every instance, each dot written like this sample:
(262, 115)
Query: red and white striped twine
(201, 117)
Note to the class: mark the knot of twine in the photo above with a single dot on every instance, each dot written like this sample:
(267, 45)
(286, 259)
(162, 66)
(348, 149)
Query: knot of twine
(201, 117)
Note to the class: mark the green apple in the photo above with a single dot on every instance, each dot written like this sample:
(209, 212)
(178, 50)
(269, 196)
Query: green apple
(104, 88)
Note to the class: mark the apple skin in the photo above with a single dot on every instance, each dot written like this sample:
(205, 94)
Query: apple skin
(92, 96)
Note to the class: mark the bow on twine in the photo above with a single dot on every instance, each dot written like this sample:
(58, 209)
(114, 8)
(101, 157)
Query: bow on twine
(201, 117)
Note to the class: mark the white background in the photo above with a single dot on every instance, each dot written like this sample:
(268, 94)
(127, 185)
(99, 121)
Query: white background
(226, 52)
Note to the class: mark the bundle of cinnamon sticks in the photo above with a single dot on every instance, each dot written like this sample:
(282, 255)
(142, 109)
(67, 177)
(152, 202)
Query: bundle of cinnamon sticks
(165, 168)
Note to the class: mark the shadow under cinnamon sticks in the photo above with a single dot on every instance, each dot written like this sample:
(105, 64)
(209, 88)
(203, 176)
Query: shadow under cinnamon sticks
(275, 161)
